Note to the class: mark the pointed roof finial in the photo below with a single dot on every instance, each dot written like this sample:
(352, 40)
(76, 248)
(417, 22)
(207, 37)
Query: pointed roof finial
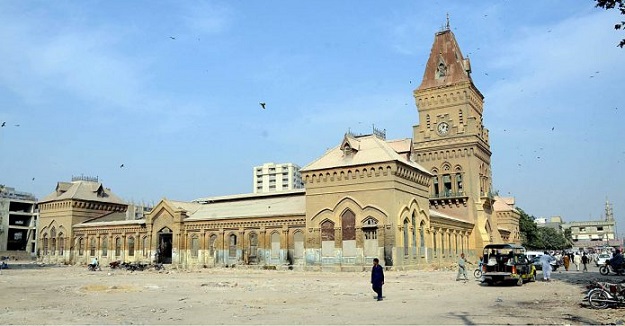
(447, 25)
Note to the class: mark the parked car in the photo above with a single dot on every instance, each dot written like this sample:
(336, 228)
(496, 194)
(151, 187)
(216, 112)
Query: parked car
(507, 263)
(602, 258)
(539, 266)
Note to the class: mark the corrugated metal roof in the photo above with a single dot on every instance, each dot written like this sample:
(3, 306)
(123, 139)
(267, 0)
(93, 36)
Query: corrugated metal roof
(294, 204)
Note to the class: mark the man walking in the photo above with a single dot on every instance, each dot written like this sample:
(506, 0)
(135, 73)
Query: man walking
(585, 262)
(377, 278)
(545, 261)
(462, 270)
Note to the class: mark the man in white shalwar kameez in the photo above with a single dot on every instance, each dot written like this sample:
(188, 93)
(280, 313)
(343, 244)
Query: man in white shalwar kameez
(545, 261)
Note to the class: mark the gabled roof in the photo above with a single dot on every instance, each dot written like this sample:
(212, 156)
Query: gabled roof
(371, 149)
(504, 204)
(83, 190)
(189, 207)
(446, 65)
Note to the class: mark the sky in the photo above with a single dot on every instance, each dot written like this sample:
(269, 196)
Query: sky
(171, 90)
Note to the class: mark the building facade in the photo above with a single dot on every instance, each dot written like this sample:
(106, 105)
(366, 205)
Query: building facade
(18, 222)
(277, 177)
(595, 234)
(410, 202)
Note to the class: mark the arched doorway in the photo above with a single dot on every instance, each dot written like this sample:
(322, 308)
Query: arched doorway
(164, 245)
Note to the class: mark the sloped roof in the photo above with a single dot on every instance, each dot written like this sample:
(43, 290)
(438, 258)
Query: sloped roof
(504, 204)
(251, 206)
(445, 51)
(371, 149)
(189, 207)
(401, 145)
(110, 223)
(83, 190)
(438, 214)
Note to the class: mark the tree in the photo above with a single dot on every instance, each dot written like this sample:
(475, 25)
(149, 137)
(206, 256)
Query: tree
(611, 4)
(534, 237)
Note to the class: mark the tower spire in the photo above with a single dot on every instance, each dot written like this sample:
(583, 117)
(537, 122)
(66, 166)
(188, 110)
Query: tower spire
(447, 25)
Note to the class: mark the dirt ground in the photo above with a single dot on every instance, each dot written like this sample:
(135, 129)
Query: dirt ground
(73, 295)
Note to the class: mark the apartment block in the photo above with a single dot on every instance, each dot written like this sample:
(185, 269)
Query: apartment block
(18, 221)
(272, 177)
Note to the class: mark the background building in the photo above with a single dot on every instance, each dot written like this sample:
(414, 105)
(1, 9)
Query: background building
(595, 234)
(277, 177)
(18, 222)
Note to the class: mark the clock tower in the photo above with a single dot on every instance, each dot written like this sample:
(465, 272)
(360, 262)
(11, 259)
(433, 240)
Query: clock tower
(452, 142)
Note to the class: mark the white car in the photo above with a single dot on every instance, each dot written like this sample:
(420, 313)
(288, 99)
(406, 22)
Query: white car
(602, 258)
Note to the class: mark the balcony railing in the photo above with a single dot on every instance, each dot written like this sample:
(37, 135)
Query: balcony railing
(449, 194)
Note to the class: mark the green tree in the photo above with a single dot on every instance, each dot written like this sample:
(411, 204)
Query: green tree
(611, 4)
(528, 230)
(534, 237)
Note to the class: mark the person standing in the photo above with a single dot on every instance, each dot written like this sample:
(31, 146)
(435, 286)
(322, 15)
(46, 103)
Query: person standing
(577, 260)
(545, 261)
(585, 262)
(567, 261)
(377, 278)
(462, 270)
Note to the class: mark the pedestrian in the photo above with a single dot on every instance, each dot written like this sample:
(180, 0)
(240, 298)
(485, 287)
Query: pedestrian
(567, 261)
(545, 261)
(585, 262)
(462, 268)
(377, 278)
(577, 260)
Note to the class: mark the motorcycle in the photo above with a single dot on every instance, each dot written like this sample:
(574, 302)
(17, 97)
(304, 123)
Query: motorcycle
(606, 294)
(93, 267)
(606, 268)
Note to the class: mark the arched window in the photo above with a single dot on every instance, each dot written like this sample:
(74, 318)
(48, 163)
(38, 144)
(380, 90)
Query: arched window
(253, 244)
(460, 117)
(61, 243)
(422, 237)
(144, 246)
(118, 247)
(131, 246)
(211, 244)
(414, 233)
(327, 231)
(370, 229)
(92, 247)
(275, 245)
(195, 246)
(105, 246)
(45, 244)
(348, 221)
(232, 248)
(406, 235)
(53, 241)
(427, 121)
(435, 189)
(81, 246)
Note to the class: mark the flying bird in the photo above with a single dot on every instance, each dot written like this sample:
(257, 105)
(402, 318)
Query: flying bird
(121, 166)
(262, 104)
(171, 37)
(4, 123)
(553, 128)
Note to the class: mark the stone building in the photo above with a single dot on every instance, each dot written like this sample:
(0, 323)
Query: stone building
(410, 202)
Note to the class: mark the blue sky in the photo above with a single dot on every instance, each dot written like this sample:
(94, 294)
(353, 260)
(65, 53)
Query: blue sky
(171, 90)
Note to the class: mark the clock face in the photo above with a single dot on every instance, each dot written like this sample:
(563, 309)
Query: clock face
(443, 128)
